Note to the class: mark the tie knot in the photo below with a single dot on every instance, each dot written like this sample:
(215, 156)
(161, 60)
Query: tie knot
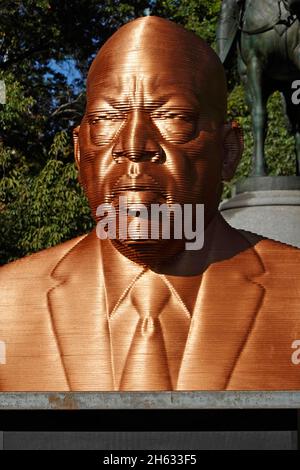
(149, 295)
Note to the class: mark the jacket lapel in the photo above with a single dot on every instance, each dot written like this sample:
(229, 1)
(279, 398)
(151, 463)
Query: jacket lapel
(225, 311)
(78, 309)
(119, 274)
(266, 362)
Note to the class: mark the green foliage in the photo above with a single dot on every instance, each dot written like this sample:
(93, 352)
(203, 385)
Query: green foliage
(17, 103)
(41, 202)
(39, 212)
(198, 16)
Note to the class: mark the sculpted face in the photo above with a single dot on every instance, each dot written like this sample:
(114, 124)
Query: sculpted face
(154, 128)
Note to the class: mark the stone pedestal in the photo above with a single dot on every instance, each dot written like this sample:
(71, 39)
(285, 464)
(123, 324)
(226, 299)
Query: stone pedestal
(268, 206)
(130, 421)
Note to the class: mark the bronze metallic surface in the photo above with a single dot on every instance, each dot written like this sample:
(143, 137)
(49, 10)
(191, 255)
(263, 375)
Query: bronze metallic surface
(134, 314)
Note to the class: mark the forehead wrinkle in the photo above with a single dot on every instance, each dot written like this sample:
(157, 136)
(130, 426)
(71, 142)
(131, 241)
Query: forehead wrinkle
(181, 101)
(151, 44)
(158, 87)
(127, 92)
(120, 64)
(131, 74)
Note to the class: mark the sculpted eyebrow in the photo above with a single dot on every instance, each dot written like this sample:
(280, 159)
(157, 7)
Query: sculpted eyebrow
(163, 103)
(149, 107)
(103, 111)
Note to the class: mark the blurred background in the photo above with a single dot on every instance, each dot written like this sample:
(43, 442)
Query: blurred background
(46, 48)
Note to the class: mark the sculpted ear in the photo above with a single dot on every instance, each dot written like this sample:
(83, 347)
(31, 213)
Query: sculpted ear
(76, 149)
(233, 146)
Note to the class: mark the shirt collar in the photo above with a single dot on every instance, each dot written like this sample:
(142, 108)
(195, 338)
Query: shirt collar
(120, 273)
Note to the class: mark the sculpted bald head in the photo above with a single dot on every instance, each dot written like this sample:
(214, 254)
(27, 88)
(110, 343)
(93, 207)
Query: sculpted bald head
(156, 47)
(154, 129)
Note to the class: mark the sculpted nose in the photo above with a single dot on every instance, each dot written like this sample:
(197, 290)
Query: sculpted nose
(138, 141)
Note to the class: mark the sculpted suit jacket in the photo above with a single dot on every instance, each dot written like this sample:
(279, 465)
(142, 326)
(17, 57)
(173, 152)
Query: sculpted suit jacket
(57, 334)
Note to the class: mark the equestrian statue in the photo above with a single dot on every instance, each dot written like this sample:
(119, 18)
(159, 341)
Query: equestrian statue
(266, 34)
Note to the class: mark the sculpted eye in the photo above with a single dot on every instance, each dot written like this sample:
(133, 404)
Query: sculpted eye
(172, 115)
(179, 116)
(107, 116)
(104, 124)
(176, 125)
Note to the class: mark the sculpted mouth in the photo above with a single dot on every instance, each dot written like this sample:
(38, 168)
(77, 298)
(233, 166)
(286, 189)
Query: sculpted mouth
(140, 184)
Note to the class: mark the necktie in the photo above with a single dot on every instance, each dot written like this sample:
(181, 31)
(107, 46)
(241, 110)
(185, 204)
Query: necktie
(146, 367)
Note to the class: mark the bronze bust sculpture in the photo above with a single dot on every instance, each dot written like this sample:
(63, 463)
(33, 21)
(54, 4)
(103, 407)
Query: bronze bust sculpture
(141, 314)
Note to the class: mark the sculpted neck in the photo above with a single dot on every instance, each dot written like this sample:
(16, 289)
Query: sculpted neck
(221, 241)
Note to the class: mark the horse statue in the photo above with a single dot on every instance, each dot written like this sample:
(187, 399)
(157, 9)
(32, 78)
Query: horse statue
(267, 35)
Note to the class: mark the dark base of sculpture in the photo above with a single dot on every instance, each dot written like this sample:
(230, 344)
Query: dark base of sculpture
(178, 430)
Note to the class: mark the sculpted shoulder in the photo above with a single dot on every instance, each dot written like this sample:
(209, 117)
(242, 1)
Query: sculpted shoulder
(38, 264)
(276, 256)
(267, 245)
